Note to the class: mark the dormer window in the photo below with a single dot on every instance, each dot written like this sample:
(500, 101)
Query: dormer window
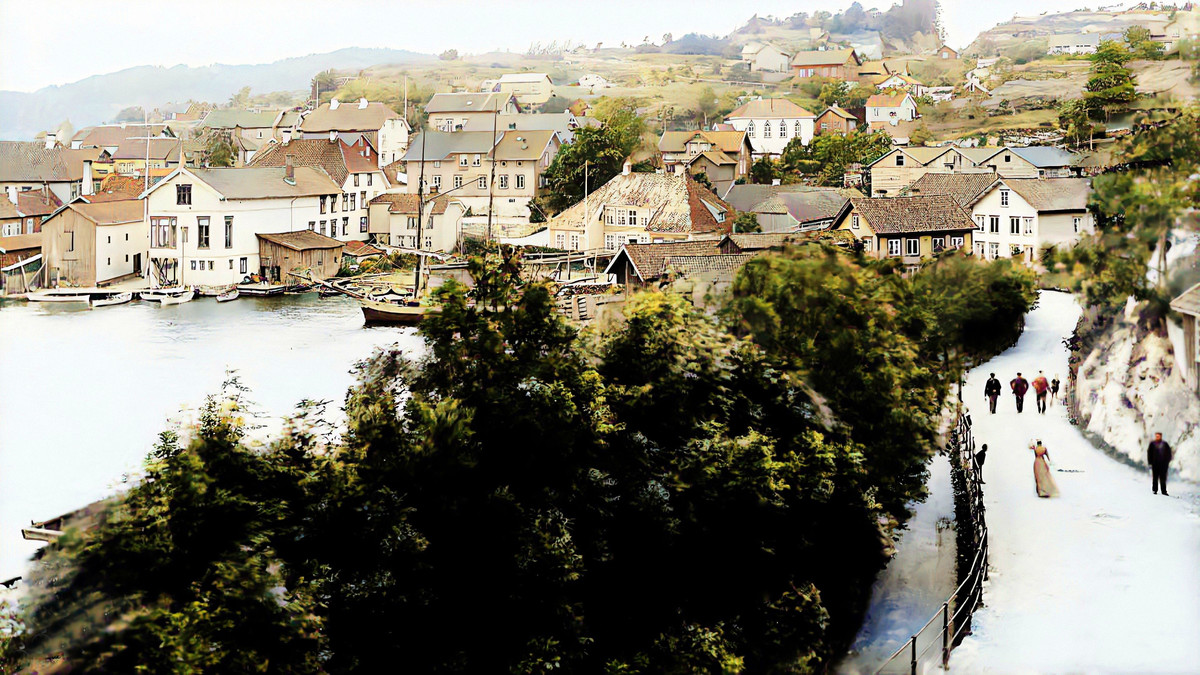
(899, 160)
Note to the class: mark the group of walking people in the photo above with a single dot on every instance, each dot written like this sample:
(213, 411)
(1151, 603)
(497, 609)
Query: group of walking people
(1158, 454)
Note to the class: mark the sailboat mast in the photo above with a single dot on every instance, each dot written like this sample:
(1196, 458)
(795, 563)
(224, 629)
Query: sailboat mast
(420, 218)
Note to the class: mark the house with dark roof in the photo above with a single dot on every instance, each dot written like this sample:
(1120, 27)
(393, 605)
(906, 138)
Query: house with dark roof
(910, 229)
(461, 163)
(789, 208)
(304, 251)
(26, 166)
(835, 120)
(1188, 307)
(353, 166)
(839, 64)
(469, 111)
(88, 245)
(899, 168)
(963, 187)
(1018, 217)
(771, 123)
(110, 136)
(394, 220)
(385, 129)
(204, 223)
(251, 129)
(723, 156)
(641, 208)
(642, 263)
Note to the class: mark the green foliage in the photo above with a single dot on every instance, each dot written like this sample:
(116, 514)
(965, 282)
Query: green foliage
(1074, 120)
(764, 171)
(829, 155)
(920, 136)
(702, 178)
(746, 221)
(620, 115)
(1111, 85)
(449, 55)
(219, 150)
(1137, 39)
(599, 150)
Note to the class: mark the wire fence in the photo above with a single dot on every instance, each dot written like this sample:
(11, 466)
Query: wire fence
(930, 646)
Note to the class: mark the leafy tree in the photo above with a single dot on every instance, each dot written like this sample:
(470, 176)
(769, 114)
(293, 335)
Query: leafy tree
(764, 171)
(833, 93)
(1111, 84)
(449, 55)
(920, 136)
(219, 150)
(241, 99)
(1075, 122)
(746, 221)
(702, 178)
(322, 82)
(599, 150)
(1137, 39)
(707, 104)
(829, 155)
(620, 115)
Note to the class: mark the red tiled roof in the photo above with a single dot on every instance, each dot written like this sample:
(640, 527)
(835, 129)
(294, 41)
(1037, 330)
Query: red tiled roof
(897, 215)
(886, 100)
(360, 249)
(407, 203)
(37, 203)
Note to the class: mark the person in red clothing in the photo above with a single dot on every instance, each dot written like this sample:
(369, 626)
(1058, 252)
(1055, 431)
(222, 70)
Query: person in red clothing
(1040, 387)
(1020, 387)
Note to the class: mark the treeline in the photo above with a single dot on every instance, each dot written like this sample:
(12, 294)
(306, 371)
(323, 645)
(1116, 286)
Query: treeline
(680, 494)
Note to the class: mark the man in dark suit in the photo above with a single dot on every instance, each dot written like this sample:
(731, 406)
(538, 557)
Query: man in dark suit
(1158, 455)
(991, 391)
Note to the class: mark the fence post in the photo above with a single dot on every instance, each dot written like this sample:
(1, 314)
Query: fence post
(913, 640)
(945, 636)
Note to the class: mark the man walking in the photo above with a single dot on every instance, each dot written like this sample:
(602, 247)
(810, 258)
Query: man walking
(1158, 455)
(991, 391)
(1054, 384)
(980, 458)
(1040, 387)
(1020, 386)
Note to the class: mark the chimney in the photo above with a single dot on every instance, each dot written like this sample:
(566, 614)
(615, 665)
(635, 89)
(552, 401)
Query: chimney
(626, 167)
(333, 136)
(88, 187)
(333, 104)
(362, 104)
(51, 140)
(289, 169)
(680, 169)
(287, 136)
(12, 194)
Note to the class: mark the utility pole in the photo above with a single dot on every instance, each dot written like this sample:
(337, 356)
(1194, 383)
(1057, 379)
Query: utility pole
(420, 221)
(492, 177)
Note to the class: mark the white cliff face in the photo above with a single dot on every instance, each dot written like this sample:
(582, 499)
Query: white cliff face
(1129, 387)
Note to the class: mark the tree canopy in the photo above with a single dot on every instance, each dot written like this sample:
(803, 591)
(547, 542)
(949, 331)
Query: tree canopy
(829, 155)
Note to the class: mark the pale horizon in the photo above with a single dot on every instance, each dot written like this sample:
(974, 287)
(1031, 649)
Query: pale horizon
(29, 61)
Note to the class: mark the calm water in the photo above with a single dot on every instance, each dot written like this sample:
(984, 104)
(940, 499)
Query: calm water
(84, 392)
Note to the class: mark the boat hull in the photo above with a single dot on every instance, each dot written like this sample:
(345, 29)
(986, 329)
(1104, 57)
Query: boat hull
(178, 299)
(118, 299)
(386, 312)
(58, 297)
(226, 297)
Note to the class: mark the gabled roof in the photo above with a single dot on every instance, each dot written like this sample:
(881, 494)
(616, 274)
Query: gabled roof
(649, 260)
(687, 265)
(804, 203)
(1049, 195)
(158, 148)
(677, 203)
(244, 119)
(110, 213)
(888, 100)
(725, 141)
(962, 187)
(336, 158)
(904, 215)
(259, 182)
(438, 145)
(302, 240)
(360, 249)
(407, 203)
(825, 58)
(468, 102)
(1188, 302)
(8, 210)
(37, 203)
(111, 135)
(838, 111)
(348, 116)
(768, 108)
(1044, 157)
(33, 162)
(761, 241)
(717, 157)
(523, 145)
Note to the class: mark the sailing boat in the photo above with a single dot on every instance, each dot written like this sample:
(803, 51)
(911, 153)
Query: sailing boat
(412, 311)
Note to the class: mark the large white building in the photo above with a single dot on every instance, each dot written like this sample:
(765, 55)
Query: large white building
(1018, 217)
(771, 123)
(204, 223)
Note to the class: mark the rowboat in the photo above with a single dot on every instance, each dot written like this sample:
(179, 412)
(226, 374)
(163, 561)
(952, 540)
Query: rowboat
(60, 295)
(116, 299)
(231, 294)
(178, 299)
(157, 294)
(391, 312)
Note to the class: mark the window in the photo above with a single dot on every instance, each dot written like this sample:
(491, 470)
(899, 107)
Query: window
(503, 182)
(183, 195)
(1029, 227)
(323, 198)
(412, 222)
(355, 180)
(437, 182)
(162, 232)
(783, 129)
(608, 216)
(1004, 198)
(109, 240)
(126, 257)
(994, 224)
(610, 242)
(483, 182)
(939, 244)
(912, 246)
(521, 181)
(633, 217)
(956, 242)
(458, 182)
(210, 265)
(475, 160)
(333, 203)
(796, 128)
(193, 264)
(899, 160)
(979, 223)
(231, 263)
(866, 242)
(620, 217)
(1015, 250)
(893, 246)
(353, 207)
(371, 178)
(202, 232)
(1014, 225)
(766, 129)
(1008, 158)
(312, 225)
(242, 265)
(345, 225)
(1076, 221)
(323, 222)
(994, 250)
(750, 130)
(362, 224)
(560, 241)
(362, 198)
(854, 222)
(574, 242)
(228, 231)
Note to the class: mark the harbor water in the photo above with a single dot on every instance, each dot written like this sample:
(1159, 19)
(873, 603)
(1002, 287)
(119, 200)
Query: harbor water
(85, 392)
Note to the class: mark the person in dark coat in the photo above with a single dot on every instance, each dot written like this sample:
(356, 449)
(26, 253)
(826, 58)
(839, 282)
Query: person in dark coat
(991, 391)
(1020, 386)
(1054, 384)
(980, 457)
(1158, 455)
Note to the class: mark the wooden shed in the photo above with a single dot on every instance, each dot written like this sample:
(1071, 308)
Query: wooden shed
(303, 251)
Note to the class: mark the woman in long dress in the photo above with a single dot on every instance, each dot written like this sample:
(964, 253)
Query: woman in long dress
(1041, 471)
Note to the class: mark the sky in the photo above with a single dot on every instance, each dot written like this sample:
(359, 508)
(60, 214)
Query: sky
(172, 32)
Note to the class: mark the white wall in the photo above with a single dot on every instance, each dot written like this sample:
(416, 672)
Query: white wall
(116, 246)
(1018, 208)
(393, 141)
(775, 144)
(904, 113)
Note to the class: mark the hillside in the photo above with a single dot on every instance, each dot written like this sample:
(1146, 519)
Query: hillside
(98, 98)
(1026, 36)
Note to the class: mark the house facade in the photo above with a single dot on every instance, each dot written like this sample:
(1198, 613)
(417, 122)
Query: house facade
(204, 223)
(460, 163)
(467, 112)
(1018, 217)
(529, 89)
(765, 58)
(891, 108)
(94, 244)
(641, 208)
(385, 129)
(1077, 43)
(26, 166)
(353, 166)
(946, 53)
(902, 82)
(839, 64)
(901, 167)
(834, 120)
(910, 229)
(729, 153)
(394, 221)
(304, 252)
(770, 124)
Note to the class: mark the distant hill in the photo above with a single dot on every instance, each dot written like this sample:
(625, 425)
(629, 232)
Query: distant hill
(1025, 37)
(905, 28)
(97, 99)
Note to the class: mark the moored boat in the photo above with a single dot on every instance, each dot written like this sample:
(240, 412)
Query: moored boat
(231, 294)
(261, 289)
(157, 294)
(115, 299)
(391, 312)
(178, 299)
(60, 295)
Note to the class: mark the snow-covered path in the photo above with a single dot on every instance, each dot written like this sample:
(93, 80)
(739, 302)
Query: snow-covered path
(1104, 578)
